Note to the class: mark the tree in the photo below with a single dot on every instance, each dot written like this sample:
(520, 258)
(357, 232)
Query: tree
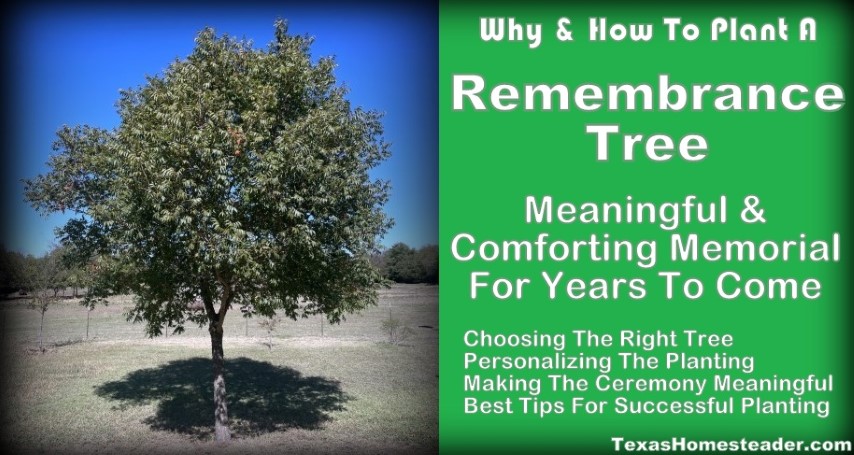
(239, 175)
(77, 277)
(9, 265)
(42, 275)
(398, 332)
(12, 271)
(428, 256)
(402, 265)
(269, 324)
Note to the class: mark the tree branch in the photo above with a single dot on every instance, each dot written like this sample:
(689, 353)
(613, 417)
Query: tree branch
(207, 299)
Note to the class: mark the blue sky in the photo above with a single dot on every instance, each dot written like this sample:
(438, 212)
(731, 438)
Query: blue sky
(69, 63)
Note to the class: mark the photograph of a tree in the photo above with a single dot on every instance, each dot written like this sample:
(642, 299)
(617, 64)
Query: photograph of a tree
(239, 176)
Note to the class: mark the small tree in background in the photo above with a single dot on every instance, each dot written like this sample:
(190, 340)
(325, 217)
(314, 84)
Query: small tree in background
(269, 324)
(41, 276)
(80, 276)
(398, 332)
(239, 175)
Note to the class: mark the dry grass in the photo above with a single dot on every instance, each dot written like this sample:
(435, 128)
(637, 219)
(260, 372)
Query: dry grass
(348, 391)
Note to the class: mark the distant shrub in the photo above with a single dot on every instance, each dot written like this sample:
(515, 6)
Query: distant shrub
(397, 331)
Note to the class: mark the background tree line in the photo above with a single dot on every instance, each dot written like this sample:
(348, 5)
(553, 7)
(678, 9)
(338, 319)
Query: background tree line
(403, 264)
(51, 274)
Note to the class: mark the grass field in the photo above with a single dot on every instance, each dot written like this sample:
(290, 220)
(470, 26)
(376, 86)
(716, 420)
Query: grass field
(347, 391)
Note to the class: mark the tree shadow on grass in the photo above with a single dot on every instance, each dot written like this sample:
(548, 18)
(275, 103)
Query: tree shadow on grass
(262, 397)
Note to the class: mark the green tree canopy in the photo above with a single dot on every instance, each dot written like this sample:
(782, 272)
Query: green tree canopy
(239, 176)
(404, 264)
(11, 270)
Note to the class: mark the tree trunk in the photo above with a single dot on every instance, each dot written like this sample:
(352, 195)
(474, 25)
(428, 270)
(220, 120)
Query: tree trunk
(41, 329)
(88, 313)
(221, 431)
